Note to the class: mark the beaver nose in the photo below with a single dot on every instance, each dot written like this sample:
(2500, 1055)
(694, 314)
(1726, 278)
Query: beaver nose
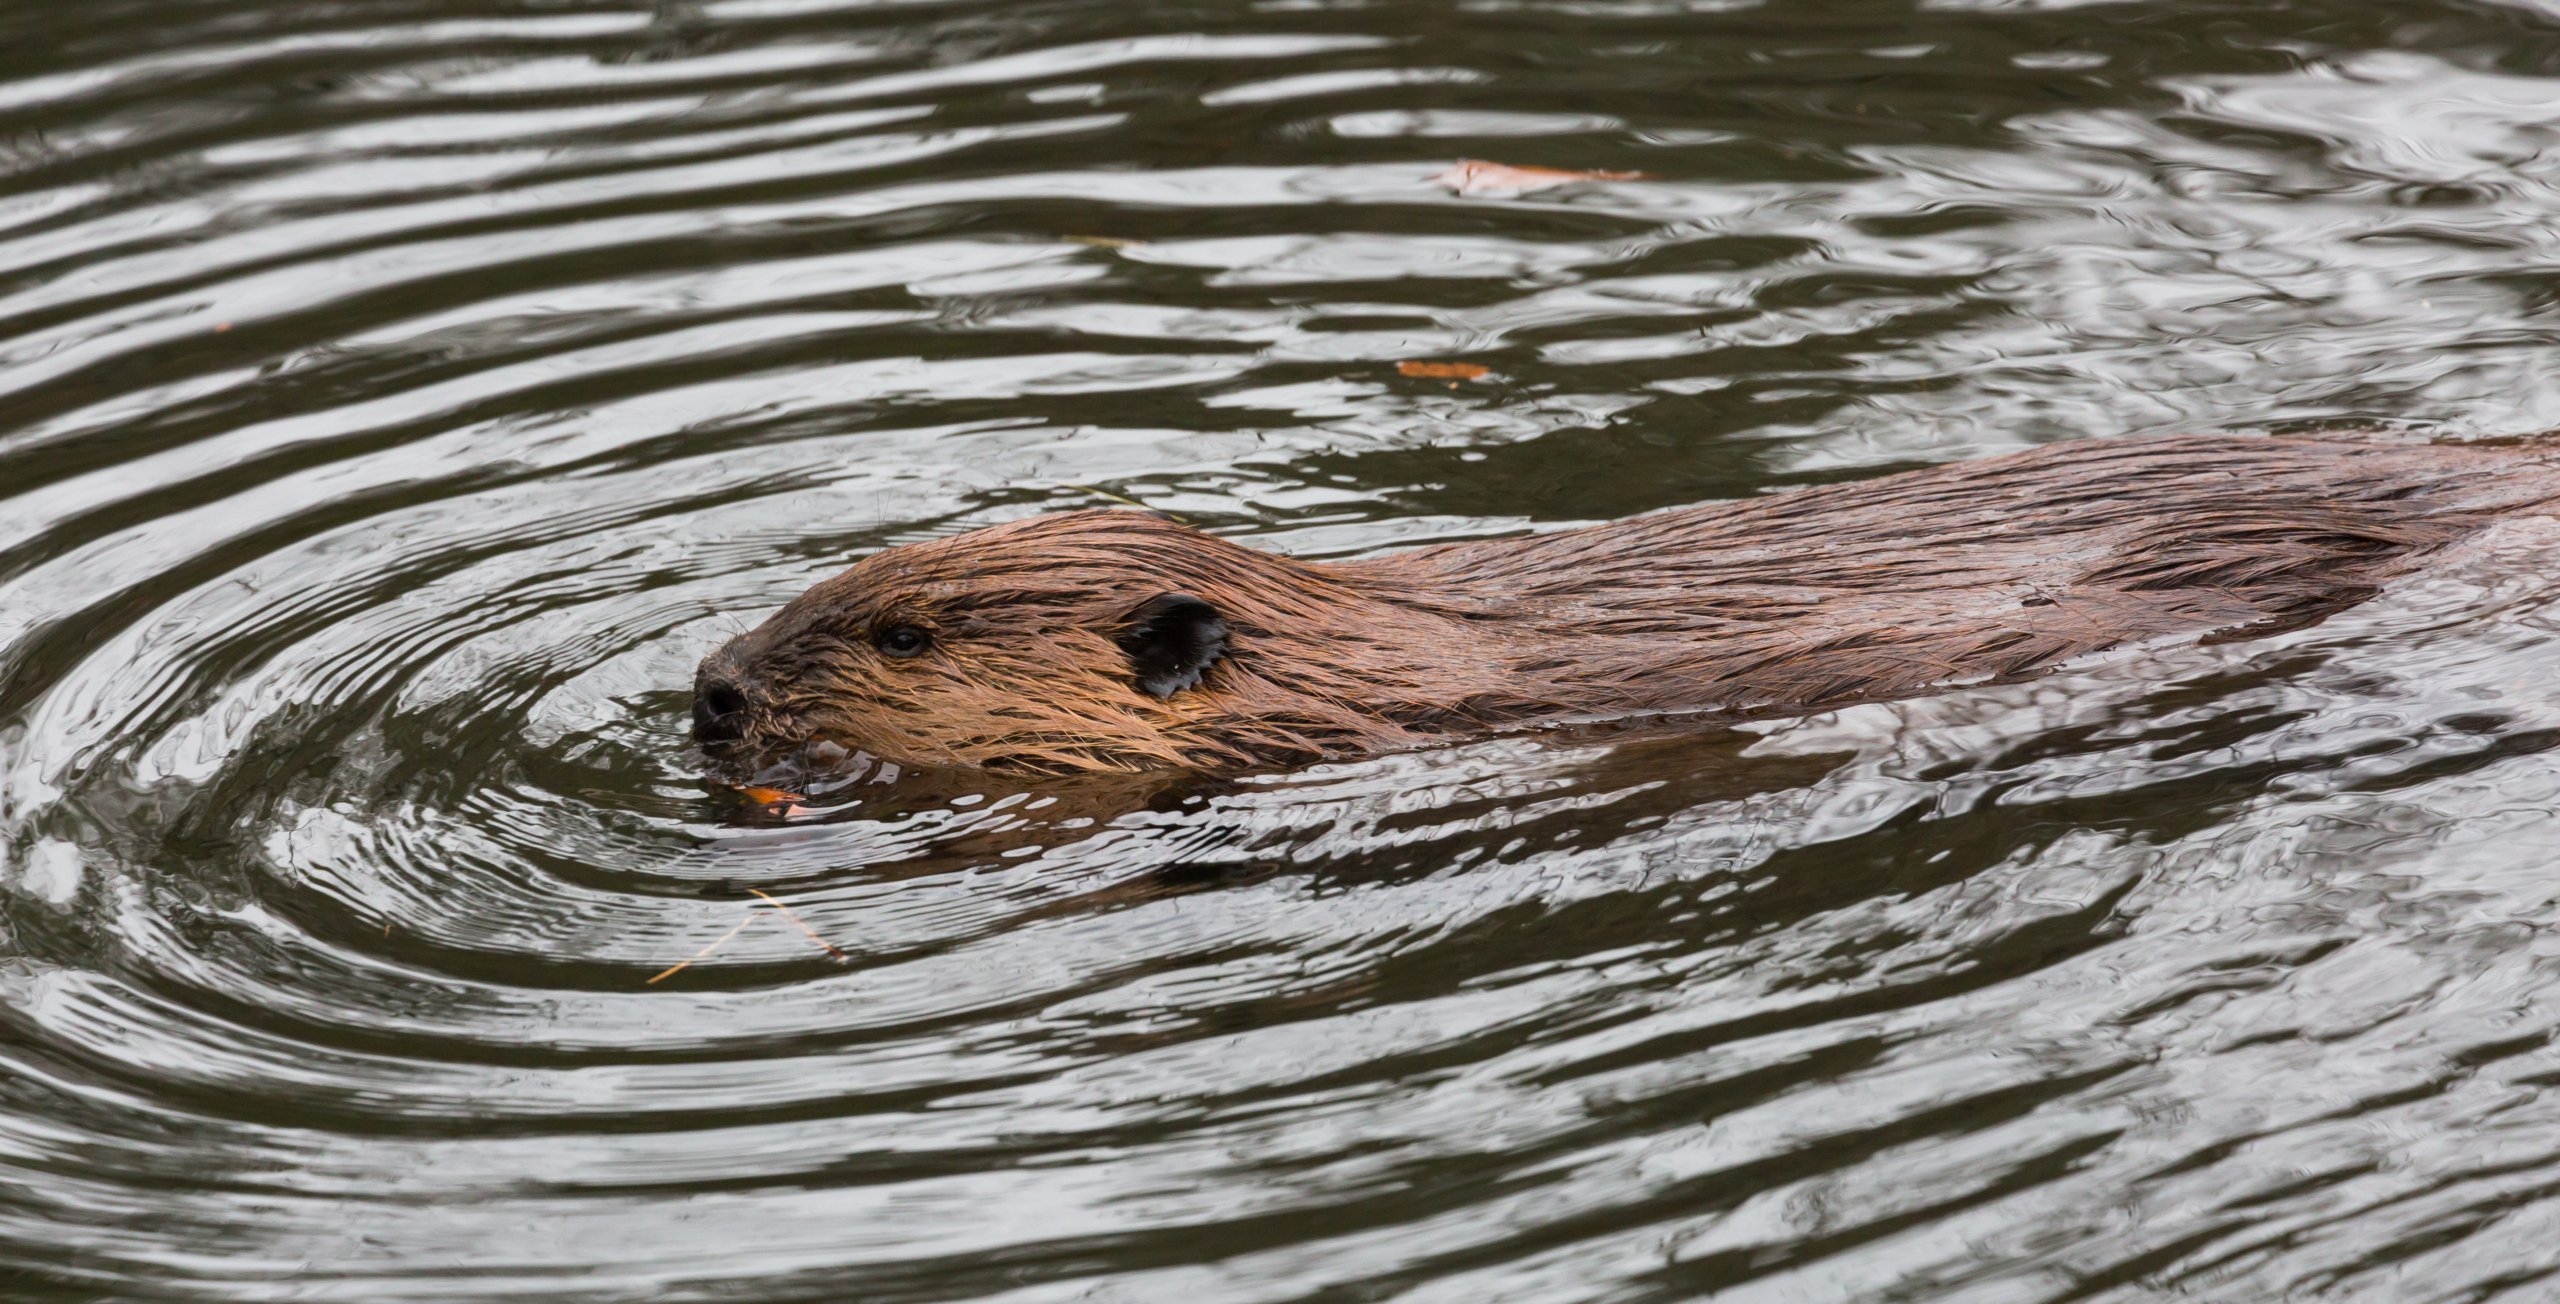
(719, 713)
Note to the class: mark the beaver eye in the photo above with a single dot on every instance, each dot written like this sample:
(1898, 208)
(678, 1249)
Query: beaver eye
(903, 641)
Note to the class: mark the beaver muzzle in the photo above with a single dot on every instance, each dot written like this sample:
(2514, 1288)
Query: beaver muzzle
(719, 711)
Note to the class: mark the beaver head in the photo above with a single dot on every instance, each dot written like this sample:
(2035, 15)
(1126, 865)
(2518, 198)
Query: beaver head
(1093, 640)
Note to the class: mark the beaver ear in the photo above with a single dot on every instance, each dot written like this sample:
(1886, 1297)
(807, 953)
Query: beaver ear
(1171, 641)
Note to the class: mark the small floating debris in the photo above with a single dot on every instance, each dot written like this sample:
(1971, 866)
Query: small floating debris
(1104, 241)
(687, 962)
(1443, 370)
(803, 925)
(754, 913)
(1475, 176)
(769, 801)
(1105, 493)
(1123, 498)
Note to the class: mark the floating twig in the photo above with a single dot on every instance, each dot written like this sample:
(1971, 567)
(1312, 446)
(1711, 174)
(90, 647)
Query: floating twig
(752, 916)
(1117, 498)
(1475, 176)
(840, 956)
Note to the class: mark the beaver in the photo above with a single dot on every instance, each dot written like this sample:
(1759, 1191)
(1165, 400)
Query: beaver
(1118, 640)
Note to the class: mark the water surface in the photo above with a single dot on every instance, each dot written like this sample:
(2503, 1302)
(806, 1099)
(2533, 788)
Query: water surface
(400, 396)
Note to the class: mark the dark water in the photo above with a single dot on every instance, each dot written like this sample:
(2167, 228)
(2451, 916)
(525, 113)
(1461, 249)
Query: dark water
(400, 396)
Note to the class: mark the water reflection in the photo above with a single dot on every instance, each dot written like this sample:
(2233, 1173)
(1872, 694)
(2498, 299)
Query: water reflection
(403, 397)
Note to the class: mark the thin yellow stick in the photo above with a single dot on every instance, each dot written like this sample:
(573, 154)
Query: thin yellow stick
(804, 926)
(1105, 493)
(752, 916)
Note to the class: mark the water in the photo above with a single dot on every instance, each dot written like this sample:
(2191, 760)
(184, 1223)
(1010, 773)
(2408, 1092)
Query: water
(400, 396)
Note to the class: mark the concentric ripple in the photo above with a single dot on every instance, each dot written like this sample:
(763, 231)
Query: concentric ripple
(401, 396)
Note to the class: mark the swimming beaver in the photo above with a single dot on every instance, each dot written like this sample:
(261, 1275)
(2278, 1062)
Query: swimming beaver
(1118, 640)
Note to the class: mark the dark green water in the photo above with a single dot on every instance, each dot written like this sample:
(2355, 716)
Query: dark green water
(396, 398)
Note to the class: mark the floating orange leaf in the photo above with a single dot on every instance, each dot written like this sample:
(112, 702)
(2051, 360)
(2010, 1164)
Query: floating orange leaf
(1474, 176)
(1443, 370)
(768, 796)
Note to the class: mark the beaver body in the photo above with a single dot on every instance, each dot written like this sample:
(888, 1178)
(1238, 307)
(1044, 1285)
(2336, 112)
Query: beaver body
(1118, 640)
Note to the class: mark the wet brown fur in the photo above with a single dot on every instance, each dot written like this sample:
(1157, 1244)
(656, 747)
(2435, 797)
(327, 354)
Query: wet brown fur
(1984, 570)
